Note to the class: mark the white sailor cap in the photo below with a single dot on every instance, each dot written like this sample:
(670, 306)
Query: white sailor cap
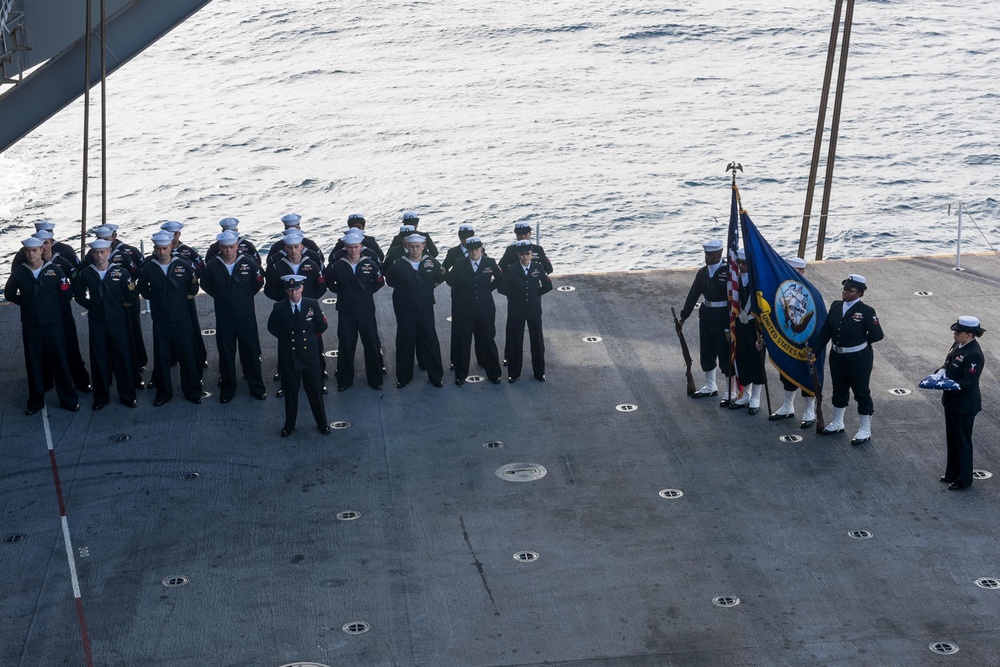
(410, 215)
(969, 324)
(466, 227)
(355, 216)
(405, 229)
(714, 245)
(99, 244)
(796, 262)
(110, 225)
(162, 238)
(293, 280)
(172, 226)
(473, 242)
(43, 234)
(415, 238)
(228, 237)
(229, 223)
(854, 280)
(32, 242)
(45, 224)
(523, 246)
(741, 254)
(291, 219)
(103, 231)
(351, 238)
(522, 226)
(293, 236)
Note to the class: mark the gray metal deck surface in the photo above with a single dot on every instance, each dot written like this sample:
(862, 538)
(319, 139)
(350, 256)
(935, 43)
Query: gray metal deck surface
(624, 577)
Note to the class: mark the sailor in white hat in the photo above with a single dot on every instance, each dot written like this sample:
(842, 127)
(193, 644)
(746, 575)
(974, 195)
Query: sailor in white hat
(298, 323)
(963, 365)
(459, 251)
(170, 284)
(243, 245)
(852, 327)
(522, 232)
(524, 284)
(787, 409)
(40, 288)
(309, 247)
(370, 247)
(712, 284)
(64, 250)
(411, 219)
(192, 256)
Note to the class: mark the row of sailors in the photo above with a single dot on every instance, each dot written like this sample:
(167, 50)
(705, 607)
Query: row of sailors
(118, 270)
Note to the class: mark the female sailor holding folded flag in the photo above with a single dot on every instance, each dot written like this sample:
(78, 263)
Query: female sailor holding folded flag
(963, 365)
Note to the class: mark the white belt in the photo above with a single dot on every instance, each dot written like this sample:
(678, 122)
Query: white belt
(853, 348)
(746, 317)
(715, 304)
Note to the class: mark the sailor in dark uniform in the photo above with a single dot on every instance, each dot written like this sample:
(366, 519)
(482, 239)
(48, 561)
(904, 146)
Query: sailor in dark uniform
(64, 250)
(964, 365)
(454, 254)
(398, 250)
(106, 290)
(413, 278)
(852, 327)
(787, 409)
(749, 345)
(298, 322)
(40, 288)
(232, 280)
(191, 256)
(522, 230)
(411, 219)
(310, 249)
(356, 222)
(355, 279)
(524, 284)
(77, 369)
(130, 258)
(473, 312)
(168, 283)
(244, 246)
(712, 283)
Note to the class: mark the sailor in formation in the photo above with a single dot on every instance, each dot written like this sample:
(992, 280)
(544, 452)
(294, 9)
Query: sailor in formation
(473, 313)
(852, 327)
(524, 284)
(243, 246)
(356, 223)
(522, 232)
(293, 221)
(787, 409)
(191, 256)
(749, 346)
(711, 283)
(411, 219)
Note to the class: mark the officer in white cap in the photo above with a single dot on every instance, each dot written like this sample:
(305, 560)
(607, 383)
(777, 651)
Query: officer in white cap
(106, 290)
(522, 231)
(748, 343)
(233, 279)
(411, 219)
(39, 288)
(170, 284)
(309, 247)
(712, 284)
(523, 285)
(964, 365)
(413, 278)
(298, 323)
(787, 409)
(852, 327)
(243, 246)
(473, 313)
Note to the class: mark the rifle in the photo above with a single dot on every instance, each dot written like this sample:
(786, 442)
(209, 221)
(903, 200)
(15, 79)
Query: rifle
(685, 352)
(817, 390)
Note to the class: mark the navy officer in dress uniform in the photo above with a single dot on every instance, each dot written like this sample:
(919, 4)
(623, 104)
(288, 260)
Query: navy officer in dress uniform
(964, 365)
(851, 326)
(712, 283)
(524, 284)
(298, 322)
(232, 280)
(473, 312)
(106, 290)
(522, 231)
(40, 288)
(169, 283)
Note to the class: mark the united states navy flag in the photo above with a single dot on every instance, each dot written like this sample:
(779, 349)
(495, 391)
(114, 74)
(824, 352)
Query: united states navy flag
(791, 309)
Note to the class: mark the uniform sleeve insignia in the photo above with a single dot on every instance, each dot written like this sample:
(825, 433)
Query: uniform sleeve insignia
(875, 319)
(972, 368)
(131, 286)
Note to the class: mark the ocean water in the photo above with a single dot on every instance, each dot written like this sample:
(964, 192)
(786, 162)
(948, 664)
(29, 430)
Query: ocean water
(609, 125)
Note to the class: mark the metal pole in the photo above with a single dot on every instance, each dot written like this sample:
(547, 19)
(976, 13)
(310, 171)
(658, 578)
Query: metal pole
(86, 132)
(104, 113)
(958, 248)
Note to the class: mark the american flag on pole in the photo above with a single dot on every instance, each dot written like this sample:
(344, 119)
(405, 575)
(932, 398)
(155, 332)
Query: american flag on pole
(733, 245)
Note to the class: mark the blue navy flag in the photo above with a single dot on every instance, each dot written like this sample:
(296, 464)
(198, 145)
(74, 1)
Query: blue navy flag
(791, 309)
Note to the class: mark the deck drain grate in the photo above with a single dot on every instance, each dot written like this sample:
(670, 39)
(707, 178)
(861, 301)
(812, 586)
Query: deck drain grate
(899, 391)
(521, 472)
(981, 474)
(355, 627)
(627, 407)
(331, 354)
(340, 426)
(565, 288)
(179, 580)
(121, 437)
(861, 534)
(790, 438)
(725, 601)
(525, 556)
(475, 378)
(945, 648)
(13, 539)
(304, 664)
(349, 515)
(208, 332)
(923, 293)
(188, 476)
(84, 552)
(988, 582)
(671, 493)
(592, 339)
(330, 300)
(496, 444)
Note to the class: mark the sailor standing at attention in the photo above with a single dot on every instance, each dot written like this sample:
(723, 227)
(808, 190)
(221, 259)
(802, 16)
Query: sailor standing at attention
(963, 365)
(233, 280)
(356, 222)
(58, 247)
(191, 256)
(473, 312)
(293, 221)
(130, 258)
(712, 283)
(787, 409)
(298, 322)
(522, 232)
(524, 284)
(749, 346)
(411, 219)
(243, 246)
(852, 327)
(40, 288)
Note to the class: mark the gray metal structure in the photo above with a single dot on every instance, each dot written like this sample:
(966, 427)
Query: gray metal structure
(49, 35)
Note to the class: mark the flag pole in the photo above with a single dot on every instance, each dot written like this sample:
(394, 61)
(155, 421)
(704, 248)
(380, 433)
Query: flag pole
(753, 291)
(733, 167)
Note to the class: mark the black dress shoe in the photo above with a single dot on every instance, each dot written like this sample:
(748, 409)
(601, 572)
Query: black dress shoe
(326, 390)
(129, 404)
(774, 416)
(459, 381)
(725, 403)
(495, 380)
(344, 388)
(196, 400)
(140, 385)
(451, 367)
(280, 393)
(946, 479)
(511, 380)
(142, 369)
(384, 371)
(224, 399)
(277, 376)
(150, 385)
(262, 396)
(159, 401)
(753, 411)
(73, 408)
(807, 423)
(285, 432)
(504, 362)
(204, 364)
(400, 385)
(85, 389)
(827, 431)
(31, 411)
(957, 486)
(326, 375)
(704, 394)
(860, 441)
(98, 406)
(733, 405)
(540, 378)
(324, 429)
(438, 384)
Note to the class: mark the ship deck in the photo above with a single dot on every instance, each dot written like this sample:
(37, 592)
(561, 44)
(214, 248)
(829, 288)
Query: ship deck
(622, 576)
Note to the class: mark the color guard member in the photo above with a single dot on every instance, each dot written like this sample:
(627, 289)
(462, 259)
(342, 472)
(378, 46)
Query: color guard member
(712, 283)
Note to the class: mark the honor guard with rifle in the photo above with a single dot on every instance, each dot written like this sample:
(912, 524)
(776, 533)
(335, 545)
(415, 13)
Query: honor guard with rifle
(712, 284)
